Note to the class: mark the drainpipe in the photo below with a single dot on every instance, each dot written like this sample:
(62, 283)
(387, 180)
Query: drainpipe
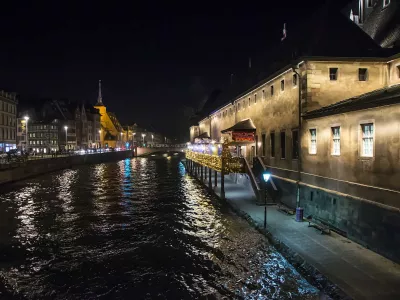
(299, 133)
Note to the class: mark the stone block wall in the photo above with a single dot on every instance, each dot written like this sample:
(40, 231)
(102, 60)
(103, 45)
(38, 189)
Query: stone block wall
(377, 227)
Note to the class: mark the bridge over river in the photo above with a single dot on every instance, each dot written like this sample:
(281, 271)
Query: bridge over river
(161, 150)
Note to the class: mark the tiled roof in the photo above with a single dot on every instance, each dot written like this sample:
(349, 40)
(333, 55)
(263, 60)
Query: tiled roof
(383, 24)
(381, 97)
(326, 34)
(244, 125)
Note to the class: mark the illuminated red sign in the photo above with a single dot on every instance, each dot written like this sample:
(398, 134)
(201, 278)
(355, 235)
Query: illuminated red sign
(243, 136)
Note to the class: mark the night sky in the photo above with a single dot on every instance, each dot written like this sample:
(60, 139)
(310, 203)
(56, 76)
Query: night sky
(153, 59)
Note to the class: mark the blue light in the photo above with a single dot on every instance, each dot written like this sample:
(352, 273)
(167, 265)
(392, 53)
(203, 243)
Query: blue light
(266, 176)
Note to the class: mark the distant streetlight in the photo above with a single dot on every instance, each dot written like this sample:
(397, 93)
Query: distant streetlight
(100, 137)
(266, 176)
(26, 138)
(143, 135)
(152, 138)
(66, 136)
(165, 138)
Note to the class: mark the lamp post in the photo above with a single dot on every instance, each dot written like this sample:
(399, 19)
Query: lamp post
(100, 137)
(133, 137)
(266, 176)
(66, 137)
(26, 138)
(152, 139)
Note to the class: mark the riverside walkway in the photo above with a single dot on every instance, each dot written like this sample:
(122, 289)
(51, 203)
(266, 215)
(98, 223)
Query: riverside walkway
(357, 271)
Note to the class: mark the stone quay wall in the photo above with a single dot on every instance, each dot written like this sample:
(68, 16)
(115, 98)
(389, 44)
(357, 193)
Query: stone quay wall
(42, 166)
(373, 225)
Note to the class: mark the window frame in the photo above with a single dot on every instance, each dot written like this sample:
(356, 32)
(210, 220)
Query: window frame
(361, 138)
(334, 126)
(272, 145)
(283, 149)
(272, 90)
(310, 141)
(282, 85)
(398, 71)
(255, 98)
(365, 75)
(263, 94)
(336, 75)
(294, 80)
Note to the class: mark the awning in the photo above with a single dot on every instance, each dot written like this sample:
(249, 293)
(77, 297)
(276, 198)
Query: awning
(246, 125)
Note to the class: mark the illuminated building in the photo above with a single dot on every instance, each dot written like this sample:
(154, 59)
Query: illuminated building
(327, 127)
(111, 129)
(8, 114)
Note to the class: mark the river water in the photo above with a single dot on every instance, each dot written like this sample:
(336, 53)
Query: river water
(134, 229)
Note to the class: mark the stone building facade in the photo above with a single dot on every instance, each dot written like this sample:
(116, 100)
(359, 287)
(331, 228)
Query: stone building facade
(8, 121)
(347, 168)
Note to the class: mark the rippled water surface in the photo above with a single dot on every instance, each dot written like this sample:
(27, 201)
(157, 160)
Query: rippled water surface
(134, 229)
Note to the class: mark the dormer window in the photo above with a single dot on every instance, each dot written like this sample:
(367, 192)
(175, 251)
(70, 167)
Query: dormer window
(386, 3)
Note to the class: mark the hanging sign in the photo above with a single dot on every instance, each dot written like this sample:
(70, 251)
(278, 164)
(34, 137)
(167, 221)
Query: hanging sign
(243, 136)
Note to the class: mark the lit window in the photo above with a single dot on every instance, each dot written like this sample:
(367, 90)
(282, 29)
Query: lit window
(272, 90)
(294, 79)
(313, 141)
(263, 92)
(362, 74)
(386, 3)
(255, 98)
(367, 139)
(336, 140)
(282, 85)
(333, 72)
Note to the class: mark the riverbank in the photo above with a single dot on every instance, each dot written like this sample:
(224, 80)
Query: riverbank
(337, 266)
(37, 167)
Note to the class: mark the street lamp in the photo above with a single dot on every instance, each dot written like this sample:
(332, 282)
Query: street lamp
(26, 124)
(100, 137)
(66, 137)
(266, 176)
(152, 139)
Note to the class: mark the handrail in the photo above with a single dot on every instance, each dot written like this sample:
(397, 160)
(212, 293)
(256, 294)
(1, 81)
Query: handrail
(254, 184)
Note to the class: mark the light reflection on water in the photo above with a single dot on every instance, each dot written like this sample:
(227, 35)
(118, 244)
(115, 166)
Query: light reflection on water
(139, 227)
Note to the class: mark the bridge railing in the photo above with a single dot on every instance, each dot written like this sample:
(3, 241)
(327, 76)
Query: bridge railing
(163, 146)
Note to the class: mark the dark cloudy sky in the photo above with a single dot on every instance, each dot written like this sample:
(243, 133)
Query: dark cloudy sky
(153, 58)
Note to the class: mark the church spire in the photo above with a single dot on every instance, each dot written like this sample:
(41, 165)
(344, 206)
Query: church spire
(100, 98)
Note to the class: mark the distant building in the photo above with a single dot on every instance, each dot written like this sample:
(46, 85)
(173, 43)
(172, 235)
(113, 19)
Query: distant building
(111, 130)
(43, 136)
(8, 122)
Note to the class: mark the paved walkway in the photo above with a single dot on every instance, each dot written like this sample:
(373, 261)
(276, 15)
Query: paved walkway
(359, 272)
